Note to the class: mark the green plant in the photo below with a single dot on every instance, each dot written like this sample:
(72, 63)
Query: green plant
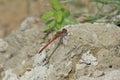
(58, 17)
(114, 10)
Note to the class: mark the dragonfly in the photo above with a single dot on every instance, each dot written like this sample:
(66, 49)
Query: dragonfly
(57, 35)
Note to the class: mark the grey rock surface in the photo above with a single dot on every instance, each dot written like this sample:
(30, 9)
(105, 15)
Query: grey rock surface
(101, 41)
(3, 45)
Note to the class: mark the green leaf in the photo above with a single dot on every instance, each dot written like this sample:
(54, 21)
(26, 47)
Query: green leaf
(53, 1)
(56, 28)
(60, 25)
(93, 19)
(58, 16)
(56, 5)
(47, 15)
(70, 21)
(49, 25)
(66, 12)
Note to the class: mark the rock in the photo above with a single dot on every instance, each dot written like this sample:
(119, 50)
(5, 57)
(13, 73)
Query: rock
(80, 66)
(86, 78)
(39, 59)
(10, 75)
(113, 75)
(28, 22)
(96, 44)
(37, 73)
(23, 44)
(98, 73)
(62, 70)
(88, 58)
(96, 34)
(3, 45)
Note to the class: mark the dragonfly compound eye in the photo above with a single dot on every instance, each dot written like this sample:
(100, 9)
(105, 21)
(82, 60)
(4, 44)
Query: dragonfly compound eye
(64, 30)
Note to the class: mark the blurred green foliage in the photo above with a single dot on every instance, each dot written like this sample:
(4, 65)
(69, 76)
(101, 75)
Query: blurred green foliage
(113, 12)
(58, 17)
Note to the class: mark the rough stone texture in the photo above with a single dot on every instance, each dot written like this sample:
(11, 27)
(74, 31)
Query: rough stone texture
(3, 45)
(23, 43)
(101, 40)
